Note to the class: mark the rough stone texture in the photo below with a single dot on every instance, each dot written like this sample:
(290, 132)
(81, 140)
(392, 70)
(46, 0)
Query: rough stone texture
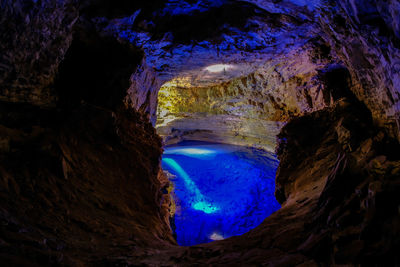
(80, 180)
(250, 110)
(35, 36)
(338, 179)
(143, 91)
(343, 225)
(179, 43)
(365, 34)
(65, 198)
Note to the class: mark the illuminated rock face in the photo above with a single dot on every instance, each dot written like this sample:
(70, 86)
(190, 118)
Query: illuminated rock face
(81, 182)
(249, 110)
(240, 36)
(361, 36)
(366, 37)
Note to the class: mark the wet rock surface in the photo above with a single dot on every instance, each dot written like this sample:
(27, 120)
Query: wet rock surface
(80, 160)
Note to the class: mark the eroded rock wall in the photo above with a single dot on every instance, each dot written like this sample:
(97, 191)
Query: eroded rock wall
(79, 158)
(250, 110)
(365, 35)
(35, 36)
(354, 220)
(65, 198)
(80, 171)
(143, 91)
(337, 181)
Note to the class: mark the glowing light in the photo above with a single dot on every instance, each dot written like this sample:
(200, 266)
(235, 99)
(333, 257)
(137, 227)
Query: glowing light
(184, 82)
(216, 237)
(219, 68)
(205, 207)
(219, 190)
(199, 199)
(191, 152)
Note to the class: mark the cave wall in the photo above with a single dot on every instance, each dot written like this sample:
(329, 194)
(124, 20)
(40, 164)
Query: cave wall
(143, 91)
(35, 36)
(365, 35)
(355, 218)
(337, 182)
(80, 159)
(359, 36)
(65, 198)
(183, 38)
(65, 134)
(250, 110)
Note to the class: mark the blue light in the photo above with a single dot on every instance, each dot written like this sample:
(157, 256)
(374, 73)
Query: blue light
(205, 207)
(192, 191)
(220, 190)
(185, 7)
(192, 152)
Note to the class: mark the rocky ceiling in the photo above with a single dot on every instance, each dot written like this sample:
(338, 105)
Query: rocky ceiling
(210, 42)
(80, 176)
(203, 43)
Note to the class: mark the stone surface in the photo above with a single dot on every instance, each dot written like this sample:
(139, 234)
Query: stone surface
(330, 186)
(64, 197)
(249, 110)
(205, 33)
(80, 160)
(35, 36)
(365, 35)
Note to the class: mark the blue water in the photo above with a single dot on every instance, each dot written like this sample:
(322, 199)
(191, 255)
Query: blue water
(219, 190)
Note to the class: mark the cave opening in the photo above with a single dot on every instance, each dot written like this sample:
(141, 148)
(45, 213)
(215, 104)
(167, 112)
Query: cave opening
(81, 168)
(222, 181)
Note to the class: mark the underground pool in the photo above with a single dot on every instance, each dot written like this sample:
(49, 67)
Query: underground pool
(219, 190)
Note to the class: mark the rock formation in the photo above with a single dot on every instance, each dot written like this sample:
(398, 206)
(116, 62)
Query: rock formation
(81, 182)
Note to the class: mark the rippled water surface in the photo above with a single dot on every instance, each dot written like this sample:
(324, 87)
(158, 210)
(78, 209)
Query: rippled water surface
(219, 190)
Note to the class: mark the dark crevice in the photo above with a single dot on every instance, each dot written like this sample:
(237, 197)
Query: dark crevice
(92, 66)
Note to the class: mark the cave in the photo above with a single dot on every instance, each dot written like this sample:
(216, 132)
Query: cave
(222, 182)
(109, 109)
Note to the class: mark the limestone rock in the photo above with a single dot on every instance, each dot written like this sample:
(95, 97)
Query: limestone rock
(80, 177)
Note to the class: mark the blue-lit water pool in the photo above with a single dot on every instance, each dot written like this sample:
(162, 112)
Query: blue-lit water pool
(219, 190)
